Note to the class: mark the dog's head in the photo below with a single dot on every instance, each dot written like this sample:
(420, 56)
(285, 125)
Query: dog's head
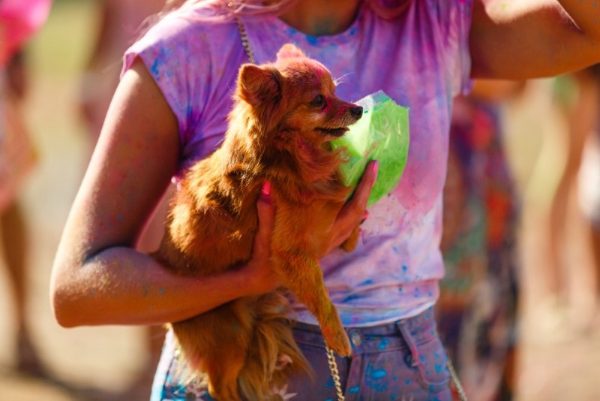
(293, 101)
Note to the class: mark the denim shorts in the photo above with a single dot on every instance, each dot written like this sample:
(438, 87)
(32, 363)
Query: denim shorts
(404, 360)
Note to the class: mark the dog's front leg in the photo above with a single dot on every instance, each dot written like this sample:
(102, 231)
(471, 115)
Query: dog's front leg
(303, 276)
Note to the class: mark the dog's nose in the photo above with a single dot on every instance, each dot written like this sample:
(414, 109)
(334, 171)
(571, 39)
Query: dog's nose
(356, 112)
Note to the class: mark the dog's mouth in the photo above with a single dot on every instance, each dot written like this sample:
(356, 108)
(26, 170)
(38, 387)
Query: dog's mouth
(336, 132)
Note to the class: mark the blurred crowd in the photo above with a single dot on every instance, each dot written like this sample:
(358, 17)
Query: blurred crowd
(521, 223)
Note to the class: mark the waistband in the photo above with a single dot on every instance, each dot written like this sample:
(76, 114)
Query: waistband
(395, 336)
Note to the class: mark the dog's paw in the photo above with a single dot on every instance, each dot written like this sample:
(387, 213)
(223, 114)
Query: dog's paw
(283, 360)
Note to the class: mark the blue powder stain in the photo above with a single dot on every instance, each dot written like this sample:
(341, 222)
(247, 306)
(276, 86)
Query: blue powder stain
(379, 374)
(408, 382)
(292, 31)
(439, 368)
(155, 66)
(354, 390)
(329, 399)
(422, 358)
(313, 40)
(352, 297)
(396, 249)
(353, 31)
(404, 268)
(367, 282)
(383, 344)
(329, 383)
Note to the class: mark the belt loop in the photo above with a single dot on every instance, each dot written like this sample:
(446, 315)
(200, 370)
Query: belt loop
(401, 325)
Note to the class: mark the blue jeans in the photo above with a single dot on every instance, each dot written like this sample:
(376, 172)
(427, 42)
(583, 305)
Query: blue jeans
(404, 360)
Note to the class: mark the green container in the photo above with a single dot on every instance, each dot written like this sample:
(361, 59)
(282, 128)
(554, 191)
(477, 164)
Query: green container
(381, 134)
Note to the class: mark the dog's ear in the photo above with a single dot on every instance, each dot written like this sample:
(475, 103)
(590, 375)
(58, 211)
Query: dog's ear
(289, 51)
(257, 85)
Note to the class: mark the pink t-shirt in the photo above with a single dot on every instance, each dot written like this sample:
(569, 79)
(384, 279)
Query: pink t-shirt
(421, 60)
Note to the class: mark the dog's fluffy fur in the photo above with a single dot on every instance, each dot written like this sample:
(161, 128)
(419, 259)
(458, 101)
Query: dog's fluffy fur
(284, 116)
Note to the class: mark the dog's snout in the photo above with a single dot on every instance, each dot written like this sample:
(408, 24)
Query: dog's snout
(356, 112)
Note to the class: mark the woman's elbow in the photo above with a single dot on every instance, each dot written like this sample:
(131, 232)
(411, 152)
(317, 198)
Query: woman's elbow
(65, 297)
(64, 306)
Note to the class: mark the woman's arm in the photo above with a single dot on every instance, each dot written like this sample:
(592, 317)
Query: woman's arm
(519, 39)
(98, 277)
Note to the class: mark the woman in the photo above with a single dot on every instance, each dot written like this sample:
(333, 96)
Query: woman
(170, 109)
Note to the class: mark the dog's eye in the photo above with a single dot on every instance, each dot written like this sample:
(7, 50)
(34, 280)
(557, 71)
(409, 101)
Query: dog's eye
(318, 101)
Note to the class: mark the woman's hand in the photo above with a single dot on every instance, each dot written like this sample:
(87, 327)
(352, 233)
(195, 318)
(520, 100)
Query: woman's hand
(354, 211)
(261, 277)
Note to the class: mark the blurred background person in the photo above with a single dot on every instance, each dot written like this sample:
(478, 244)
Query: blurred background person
(120, 22)
(19, 19)
(576, 199)
(478, 300)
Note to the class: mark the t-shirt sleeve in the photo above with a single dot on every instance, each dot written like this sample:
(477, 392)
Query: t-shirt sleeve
(454, 17)
(165, 51)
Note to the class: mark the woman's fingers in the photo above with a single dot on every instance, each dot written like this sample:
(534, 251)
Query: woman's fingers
(363, 190)
(353, 211)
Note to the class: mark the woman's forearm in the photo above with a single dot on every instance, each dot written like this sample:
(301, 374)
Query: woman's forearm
(122, 286)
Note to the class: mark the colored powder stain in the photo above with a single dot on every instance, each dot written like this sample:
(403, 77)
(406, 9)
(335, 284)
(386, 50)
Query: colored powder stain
(155, 66)
(329, 399)
(439, 368)
(354, 390)
(379, 374)
(353, 31)
(383, 344)
(397, 251)
(352, 297)
(367, 282)
(422, 358)
(329, 383)
(313, 40)
(408, 382)
(404, 268)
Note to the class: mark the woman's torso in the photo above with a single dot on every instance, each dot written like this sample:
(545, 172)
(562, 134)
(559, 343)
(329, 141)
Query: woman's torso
(419, 60)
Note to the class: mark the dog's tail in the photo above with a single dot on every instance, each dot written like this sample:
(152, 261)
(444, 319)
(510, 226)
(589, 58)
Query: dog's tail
(273, 353)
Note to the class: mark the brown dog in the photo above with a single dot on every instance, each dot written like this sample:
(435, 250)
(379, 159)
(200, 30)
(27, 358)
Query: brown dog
(284, 116)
